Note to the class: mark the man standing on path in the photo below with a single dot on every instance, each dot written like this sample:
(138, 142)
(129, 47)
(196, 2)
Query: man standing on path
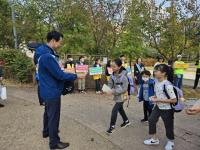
(51, 86)
(197, 74)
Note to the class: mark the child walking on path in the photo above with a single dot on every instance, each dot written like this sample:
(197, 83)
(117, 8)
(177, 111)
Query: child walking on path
(162, 107)
(119, 85)
(146, 91)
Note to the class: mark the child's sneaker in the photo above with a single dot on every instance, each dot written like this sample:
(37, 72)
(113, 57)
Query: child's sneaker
(151, 142)
(125, 124)
(98, 92)
(169, 145)
(110, 130)
(83, 92)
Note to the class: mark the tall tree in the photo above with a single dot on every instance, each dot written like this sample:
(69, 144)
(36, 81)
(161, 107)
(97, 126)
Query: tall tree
(5, 25)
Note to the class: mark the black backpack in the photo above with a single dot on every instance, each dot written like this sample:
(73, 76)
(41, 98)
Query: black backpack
(68, 87)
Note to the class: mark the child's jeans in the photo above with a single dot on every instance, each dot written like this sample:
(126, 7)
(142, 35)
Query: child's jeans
(97, 84)
(168, 119)
(178, 81)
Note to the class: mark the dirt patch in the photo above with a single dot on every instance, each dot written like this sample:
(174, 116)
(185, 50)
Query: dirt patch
(190, 93)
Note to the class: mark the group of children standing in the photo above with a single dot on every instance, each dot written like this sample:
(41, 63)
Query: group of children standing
(152, 93)
(70, 65)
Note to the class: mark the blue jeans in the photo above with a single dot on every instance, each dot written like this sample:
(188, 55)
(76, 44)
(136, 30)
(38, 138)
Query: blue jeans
(178, 82)
(97, 85)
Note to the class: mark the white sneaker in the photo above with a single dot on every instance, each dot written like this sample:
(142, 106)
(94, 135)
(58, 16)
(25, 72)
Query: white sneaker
(169, 145)
(151, 142)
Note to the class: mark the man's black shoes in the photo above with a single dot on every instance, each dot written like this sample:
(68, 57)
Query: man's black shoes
(1, 105)
(45, 135)
(60, 145)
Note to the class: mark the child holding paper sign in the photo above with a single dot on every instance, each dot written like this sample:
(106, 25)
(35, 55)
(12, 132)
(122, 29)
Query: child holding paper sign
(97, 77)
(81, 75)
(118, 84)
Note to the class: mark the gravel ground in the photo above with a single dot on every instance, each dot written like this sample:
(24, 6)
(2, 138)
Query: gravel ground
(84, 119)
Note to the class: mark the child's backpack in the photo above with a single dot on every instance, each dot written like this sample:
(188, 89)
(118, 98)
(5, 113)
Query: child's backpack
(178, 106)
(131, 86)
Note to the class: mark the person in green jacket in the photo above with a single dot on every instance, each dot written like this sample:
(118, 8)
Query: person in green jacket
(178, 72)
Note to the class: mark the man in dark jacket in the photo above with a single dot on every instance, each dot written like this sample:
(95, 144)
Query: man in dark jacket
(42, 49)
(51, 86)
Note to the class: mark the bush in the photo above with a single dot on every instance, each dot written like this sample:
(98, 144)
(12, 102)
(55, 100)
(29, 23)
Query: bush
(17, 66)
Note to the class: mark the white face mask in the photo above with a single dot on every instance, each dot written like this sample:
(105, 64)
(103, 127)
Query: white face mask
(70, 59)
(145, 79)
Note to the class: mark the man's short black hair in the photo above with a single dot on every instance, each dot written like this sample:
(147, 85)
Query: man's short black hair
(121, 56)
(54, 35)
(146, 72)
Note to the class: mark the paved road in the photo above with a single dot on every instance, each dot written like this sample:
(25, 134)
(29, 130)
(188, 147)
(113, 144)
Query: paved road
(93, 112)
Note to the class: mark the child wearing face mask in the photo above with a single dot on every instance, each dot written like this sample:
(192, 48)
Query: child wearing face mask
(69, 65)
(82, 76)
(145, 92)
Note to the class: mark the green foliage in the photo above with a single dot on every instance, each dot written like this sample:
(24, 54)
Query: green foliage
(107, 27)
(5, 24)
(17, 65)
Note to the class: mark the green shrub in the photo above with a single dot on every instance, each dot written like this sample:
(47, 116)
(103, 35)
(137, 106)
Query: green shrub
(17, 66)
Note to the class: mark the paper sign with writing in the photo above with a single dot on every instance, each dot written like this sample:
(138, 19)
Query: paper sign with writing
(82, 68)
(105, 60)
(181, 66)
(95, 70)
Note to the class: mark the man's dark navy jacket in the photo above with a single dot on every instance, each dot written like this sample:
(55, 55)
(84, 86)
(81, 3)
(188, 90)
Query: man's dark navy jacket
(43, 49)
(51, 76)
